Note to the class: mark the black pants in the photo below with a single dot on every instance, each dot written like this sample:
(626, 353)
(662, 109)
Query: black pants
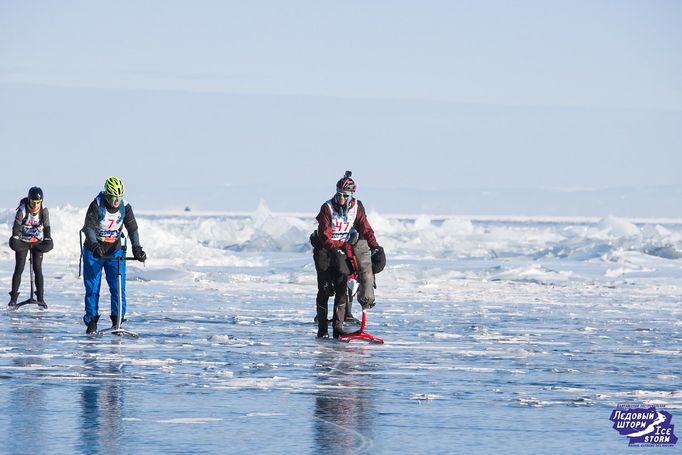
(329, 279)
(21, 250)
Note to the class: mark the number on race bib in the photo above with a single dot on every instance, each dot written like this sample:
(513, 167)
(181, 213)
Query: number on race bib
(342, 226)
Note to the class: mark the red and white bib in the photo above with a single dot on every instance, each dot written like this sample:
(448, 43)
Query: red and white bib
(342, 223)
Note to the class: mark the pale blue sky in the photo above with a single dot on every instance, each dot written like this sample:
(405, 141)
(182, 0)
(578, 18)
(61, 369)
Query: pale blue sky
(423, 95)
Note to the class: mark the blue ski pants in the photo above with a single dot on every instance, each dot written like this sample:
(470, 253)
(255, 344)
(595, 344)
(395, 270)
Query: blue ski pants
(92, 278)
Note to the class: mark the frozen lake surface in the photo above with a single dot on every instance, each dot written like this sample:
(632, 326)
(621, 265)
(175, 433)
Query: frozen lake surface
(516, 336)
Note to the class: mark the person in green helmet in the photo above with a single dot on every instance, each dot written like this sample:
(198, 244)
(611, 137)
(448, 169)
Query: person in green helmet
(107, 214)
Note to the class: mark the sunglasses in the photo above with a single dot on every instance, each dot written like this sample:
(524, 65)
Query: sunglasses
(35, 201)
(344, 195)
(115, 198)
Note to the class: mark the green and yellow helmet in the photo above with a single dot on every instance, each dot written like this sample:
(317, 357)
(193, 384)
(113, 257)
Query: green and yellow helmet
(113, 187)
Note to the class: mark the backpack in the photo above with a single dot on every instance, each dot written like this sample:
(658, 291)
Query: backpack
(102, 207)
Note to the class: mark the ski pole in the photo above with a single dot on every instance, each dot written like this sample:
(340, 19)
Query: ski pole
(80, 259)
(30, 269)
(120, 298)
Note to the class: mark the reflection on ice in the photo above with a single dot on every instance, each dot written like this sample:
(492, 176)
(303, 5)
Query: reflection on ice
(344, 410)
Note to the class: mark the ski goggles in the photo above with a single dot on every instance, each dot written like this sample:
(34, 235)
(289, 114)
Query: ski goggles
(344, 195)
(35, 201)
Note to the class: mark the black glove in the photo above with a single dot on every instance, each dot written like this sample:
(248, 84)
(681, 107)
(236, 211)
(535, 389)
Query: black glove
(315, 240)
(97, 251)
(322, 259)
(378, 259)
(46, 245)
(340, 261)
(139, 254)
(353, 239)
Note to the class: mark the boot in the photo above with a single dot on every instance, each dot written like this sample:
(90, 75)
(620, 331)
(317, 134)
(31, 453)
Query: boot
(40, 300)
(339, 316)
(114, 320)
(350, 319)
(92, 325)
(338, 330)
(13, 298)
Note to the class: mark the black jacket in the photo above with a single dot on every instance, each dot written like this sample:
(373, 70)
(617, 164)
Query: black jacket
(92, 223)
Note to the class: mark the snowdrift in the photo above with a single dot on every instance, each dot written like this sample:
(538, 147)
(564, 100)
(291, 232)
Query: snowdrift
(181, 240)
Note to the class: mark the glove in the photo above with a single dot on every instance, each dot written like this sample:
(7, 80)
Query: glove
(340, 260)
(46, 245)
(353, 239)
(378, 259)
(314, 240)
(322, 259)
(139, 254)
(97, 251)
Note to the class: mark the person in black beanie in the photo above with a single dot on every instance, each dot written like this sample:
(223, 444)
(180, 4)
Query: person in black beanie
(30, 233)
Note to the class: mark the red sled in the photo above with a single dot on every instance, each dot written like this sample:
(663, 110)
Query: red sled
(361, 334)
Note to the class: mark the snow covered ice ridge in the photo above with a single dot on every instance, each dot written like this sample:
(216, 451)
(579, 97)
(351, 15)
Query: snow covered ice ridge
(545, 251)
